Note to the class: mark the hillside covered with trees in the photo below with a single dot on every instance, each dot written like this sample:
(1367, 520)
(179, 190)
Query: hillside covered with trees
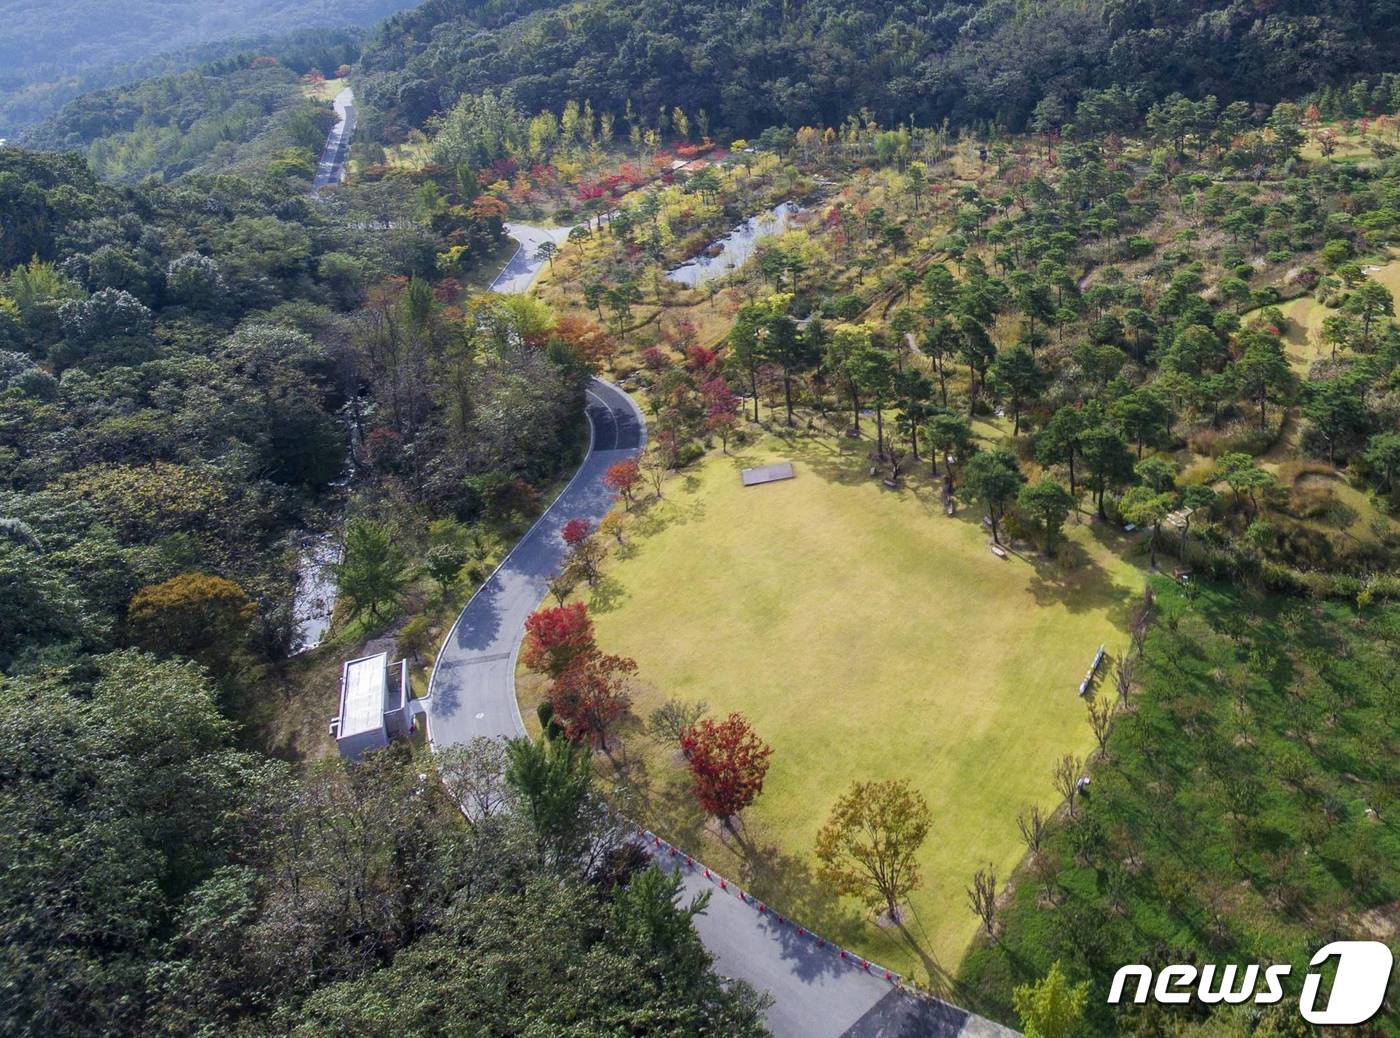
(749, 65)
(52, 52)
(1077, 321)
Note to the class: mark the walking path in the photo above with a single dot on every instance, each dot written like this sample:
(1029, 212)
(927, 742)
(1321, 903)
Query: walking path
(519, 273)
(818, 991)
(473, 687)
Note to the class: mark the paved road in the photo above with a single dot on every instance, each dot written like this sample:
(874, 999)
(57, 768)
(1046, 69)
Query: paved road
(331, 169)
(816, 994)
(473, 686)
(520, 272)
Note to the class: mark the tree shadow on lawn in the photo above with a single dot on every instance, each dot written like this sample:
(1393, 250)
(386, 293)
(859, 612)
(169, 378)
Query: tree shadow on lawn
(654, 515)
(1077, 581)
(607, 595)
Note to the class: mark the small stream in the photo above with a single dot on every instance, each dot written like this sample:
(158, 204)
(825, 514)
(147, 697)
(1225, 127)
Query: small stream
(731, 252)
(314, 599)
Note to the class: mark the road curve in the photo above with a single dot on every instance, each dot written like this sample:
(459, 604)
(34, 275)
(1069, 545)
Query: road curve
(816, 993)
(473, 686)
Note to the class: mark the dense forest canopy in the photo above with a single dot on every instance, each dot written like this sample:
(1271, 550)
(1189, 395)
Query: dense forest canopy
(54, 51)
(184, 369)
(769, 63)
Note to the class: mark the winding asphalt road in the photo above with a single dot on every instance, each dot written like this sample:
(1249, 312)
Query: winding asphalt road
(473, 687)
(816, 993)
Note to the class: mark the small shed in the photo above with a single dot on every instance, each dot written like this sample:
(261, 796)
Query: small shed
(373, 704)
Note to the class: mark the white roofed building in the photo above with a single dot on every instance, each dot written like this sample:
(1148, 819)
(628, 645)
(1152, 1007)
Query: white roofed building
(374, 704)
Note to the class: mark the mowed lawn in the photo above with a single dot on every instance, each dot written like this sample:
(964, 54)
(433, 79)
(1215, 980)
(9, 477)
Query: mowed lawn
(865, 635)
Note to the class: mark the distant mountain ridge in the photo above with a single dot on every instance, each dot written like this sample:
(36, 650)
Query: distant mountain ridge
(54, 50)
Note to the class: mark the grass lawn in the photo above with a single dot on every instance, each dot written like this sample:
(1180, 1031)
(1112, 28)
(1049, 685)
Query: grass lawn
(324, 90)
(1303, 335)
(1244, 812)
(866, 635)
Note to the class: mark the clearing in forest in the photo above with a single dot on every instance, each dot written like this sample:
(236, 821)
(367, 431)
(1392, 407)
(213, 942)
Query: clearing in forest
(866, 636)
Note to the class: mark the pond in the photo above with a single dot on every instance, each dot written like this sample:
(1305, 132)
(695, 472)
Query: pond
(732, 251)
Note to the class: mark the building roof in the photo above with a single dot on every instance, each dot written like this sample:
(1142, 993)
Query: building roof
(364, 688)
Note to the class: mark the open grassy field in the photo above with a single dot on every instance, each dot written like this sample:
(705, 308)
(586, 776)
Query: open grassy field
(1303, 335)
(866, 635)
(324, 90)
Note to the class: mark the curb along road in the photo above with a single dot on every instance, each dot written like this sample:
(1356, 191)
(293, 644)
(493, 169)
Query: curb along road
(818, 989)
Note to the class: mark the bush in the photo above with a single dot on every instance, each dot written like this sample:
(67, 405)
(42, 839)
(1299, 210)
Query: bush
(690, 452)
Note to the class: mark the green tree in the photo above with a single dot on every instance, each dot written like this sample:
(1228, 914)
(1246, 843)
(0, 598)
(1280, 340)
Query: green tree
(1016, 376)
(978, 351)
(993, 478)
(1244, 476)
(444, 564)
(1058, 442)
(1047, 505)
(1383, 456)
(1197, 498)
(1052, 1007)
(373, 570)
(1337, 411)
(948, 435)
(553, 778)
(873, 371)
(784, 344)
(1263, 371)
(1107, 462)
(1369, 301)
(1147, 508)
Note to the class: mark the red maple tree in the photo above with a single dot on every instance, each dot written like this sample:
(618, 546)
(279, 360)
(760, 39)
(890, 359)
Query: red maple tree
(727, 764)
(555, 636)
(624, 477)
(591, 695)
(576, 531)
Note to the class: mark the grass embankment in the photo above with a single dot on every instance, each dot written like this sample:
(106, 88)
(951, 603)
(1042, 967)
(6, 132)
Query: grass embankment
(1246, 812)
(866, 635)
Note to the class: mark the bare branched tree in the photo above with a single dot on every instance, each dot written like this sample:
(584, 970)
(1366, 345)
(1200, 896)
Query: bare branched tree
(982, 896)
(1100, 719)
(1066, 779)
(1031, 822)
(1123, 679)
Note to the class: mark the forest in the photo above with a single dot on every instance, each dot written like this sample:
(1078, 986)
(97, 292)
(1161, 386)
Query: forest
(751, 65)
(185, 371)
(54, 52)
(1077, 321)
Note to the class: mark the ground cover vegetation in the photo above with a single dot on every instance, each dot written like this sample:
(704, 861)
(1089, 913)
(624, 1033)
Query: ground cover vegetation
(1120, 321)
(1076, 333)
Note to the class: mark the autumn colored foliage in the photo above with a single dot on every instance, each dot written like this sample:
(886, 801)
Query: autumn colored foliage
(589, 343)
(555, 636)
(576, 531)
(591, 695)
(193, 614)
(727, 764)
(624, 477)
